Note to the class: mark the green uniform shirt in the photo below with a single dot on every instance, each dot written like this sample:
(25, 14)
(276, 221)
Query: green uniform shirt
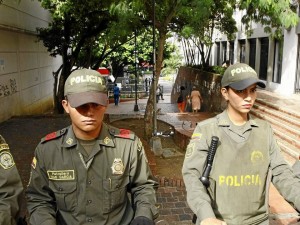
(10, 186)
(245, 162)
(69, 186)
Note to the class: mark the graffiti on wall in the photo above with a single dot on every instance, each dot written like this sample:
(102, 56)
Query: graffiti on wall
(8, 88)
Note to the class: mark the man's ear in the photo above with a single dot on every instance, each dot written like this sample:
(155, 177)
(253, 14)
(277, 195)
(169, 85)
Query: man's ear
(224, 92)
(65, 104)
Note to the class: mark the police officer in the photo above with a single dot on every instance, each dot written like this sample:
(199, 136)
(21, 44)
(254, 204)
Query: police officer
(246, 160)
(82, 174)
(10, 186)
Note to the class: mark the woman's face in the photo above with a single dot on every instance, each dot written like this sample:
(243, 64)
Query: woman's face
(240, 101)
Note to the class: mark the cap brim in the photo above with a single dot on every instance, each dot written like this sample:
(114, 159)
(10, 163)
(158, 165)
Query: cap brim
(79, 99)
(243, 84)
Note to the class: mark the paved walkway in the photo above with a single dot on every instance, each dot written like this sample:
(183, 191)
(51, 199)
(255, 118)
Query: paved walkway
(24, 133)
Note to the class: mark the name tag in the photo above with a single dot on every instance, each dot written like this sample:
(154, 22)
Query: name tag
(61, 174)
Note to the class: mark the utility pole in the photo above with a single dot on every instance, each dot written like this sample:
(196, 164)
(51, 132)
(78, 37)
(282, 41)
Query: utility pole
(156, 142)
(136, 107)
(154, 77)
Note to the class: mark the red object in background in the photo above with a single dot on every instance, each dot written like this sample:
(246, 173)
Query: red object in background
(103, 71)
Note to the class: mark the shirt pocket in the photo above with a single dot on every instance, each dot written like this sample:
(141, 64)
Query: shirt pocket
(115, 193)
(65, 194)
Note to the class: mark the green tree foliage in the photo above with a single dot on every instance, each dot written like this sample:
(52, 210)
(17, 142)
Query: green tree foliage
(172, 64)
(274, 15)
(75, 31)
(201, 22)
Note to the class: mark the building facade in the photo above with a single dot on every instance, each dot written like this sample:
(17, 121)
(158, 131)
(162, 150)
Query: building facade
(277, 62)
(26, 80)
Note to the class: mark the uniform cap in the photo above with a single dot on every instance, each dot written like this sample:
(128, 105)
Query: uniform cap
(240, 76)
(86, 86)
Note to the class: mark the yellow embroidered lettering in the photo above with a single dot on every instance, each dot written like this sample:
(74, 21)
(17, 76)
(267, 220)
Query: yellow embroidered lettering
(241, 180)
(236, 181)
(221, 180)
(247, 179)
(229, 181)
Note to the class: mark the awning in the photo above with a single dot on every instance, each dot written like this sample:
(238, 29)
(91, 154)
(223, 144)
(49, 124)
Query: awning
(103, 71)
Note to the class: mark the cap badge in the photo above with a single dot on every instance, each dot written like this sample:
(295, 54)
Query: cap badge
(243, 69)
(86, 79)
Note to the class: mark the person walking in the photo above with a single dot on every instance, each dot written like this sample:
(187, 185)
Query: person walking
(159, 92)
(196, 100)
(90, 172)
(11, 187)
(116, 91)
(181, 100)
(236, 177)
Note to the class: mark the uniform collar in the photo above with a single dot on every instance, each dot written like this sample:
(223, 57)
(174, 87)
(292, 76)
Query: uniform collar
(224, 121)
(105, 138)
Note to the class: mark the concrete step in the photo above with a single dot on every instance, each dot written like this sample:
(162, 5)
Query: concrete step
(291, 118)
(273, 105)
(286, 126)
(288, 132)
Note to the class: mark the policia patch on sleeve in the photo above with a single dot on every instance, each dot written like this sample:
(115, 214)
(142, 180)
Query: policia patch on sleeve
(189, 150)
(6, 160)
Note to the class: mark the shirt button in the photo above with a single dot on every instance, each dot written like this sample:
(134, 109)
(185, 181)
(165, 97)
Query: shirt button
(89, 201)
(89, 181)
(90, 220)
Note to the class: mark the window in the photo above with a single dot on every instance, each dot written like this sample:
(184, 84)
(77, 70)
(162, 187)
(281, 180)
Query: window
(277, 66)
(264, 52)
(218, 53)
(231, 52)
(252, 52)
(224, 49)
(242, 44)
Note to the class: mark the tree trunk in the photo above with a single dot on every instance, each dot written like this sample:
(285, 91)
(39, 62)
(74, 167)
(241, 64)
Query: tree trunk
(59, 96)
(149, 113)
(55, 99)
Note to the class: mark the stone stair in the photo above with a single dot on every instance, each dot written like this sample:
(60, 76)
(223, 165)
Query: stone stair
(286, 126)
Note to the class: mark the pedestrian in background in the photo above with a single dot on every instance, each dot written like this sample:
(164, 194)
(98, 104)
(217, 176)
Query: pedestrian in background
(90, 172)
(159, 92)
(188, 105)
(116, 94)
(181, 100)
(11, 187)
(196, 100)
(246, 160)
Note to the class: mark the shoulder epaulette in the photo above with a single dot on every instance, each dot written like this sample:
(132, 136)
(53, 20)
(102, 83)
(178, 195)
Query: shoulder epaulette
(3, 144)
(53, 135)
(122, 133)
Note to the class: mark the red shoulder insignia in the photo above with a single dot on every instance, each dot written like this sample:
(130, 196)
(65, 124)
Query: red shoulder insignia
(125, 134)
(50, 136)
(53, 135)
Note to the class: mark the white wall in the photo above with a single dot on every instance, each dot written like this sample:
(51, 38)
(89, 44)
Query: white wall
(26, 80)
(289, 63)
